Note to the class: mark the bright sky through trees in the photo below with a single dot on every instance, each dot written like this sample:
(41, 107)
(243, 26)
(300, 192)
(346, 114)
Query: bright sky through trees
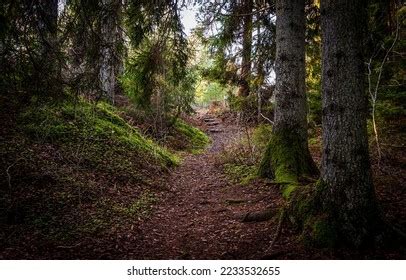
(189, 19)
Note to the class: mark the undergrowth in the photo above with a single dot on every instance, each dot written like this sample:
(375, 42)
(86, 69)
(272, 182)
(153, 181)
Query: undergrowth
(240, 174)
(240, 158)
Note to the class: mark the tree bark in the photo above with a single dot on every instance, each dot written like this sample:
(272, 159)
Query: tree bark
(244, 88)
(48, 22)
(48, 33)
(346, 188)
(110, 60)
(288, 157)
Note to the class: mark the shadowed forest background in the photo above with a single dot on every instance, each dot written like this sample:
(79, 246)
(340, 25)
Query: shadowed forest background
(270, 130)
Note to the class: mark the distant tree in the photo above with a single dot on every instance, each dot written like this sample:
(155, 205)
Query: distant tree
(48, 27)
(244, 87)
(111, 63)
(157, 77)
(239, 33)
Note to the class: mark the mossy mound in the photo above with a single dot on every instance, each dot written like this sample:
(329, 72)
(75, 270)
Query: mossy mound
(98, 123)
(73, 169)
(189, 138)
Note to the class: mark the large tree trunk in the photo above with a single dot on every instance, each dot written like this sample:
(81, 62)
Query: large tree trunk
(110, 59)
(244, 88)
(346, 186)
(288, 157)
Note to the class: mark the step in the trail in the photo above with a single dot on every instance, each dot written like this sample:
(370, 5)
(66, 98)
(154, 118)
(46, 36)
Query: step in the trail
(209, 120)
(215, 130)
(213, 123)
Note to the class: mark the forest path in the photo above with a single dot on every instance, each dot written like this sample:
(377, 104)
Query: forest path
(199, 216)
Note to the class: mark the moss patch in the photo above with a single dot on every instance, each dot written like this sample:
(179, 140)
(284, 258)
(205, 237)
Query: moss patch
(319, 232)
(194, 140)
(287, 190)
(139, 208)
(284, 159)
(241, 174)
(76, 168)
(99, 124)
(307, 214)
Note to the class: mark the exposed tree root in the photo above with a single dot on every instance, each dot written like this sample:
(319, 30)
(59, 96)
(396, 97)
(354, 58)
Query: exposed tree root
(278, 229)
(235, 201)
(258, 216)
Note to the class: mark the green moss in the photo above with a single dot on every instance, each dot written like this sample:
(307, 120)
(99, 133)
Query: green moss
(288, 190)
(314, 141)
(324, 233)
(93, 226)
(308, 214)
(241, 174)
(318, 231)
(196, 140)
(279, 162)
(301, 202)
(265, 169)
(140, 207)
(69, 123)
(284, 160)
(73, 164)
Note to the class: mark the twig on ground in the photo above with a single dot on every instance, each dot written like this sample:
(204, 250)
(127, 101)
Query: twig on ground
(278, 230)
(262, 115)
(8, 172)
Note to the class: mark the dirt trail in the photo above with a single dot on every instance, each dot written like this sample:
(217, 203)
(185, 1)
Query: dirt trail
(197, 218)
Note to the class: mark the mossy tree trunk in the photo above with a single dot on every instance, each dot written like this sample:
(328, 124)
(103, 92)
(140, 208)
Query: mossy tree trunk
(288, 157)
(346, 190)
(244, 87)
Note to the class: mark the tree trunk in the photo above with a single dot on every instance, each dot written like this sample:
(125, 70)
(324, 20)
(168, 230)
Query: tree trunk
(261, 76)
(48, 23)
(287, 157)
(346, 189)
(110, 60)
(244, 88)
(49, 49)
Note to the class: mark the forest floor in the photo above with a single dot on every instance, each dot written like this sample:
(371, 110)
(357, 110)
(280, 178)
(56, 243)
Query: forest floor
(197, 212)
(200, 215)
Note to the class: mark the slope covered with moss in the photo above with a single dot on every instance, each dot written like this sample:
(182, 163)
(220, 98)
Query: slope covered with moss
(193, 139)
(74, 169)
